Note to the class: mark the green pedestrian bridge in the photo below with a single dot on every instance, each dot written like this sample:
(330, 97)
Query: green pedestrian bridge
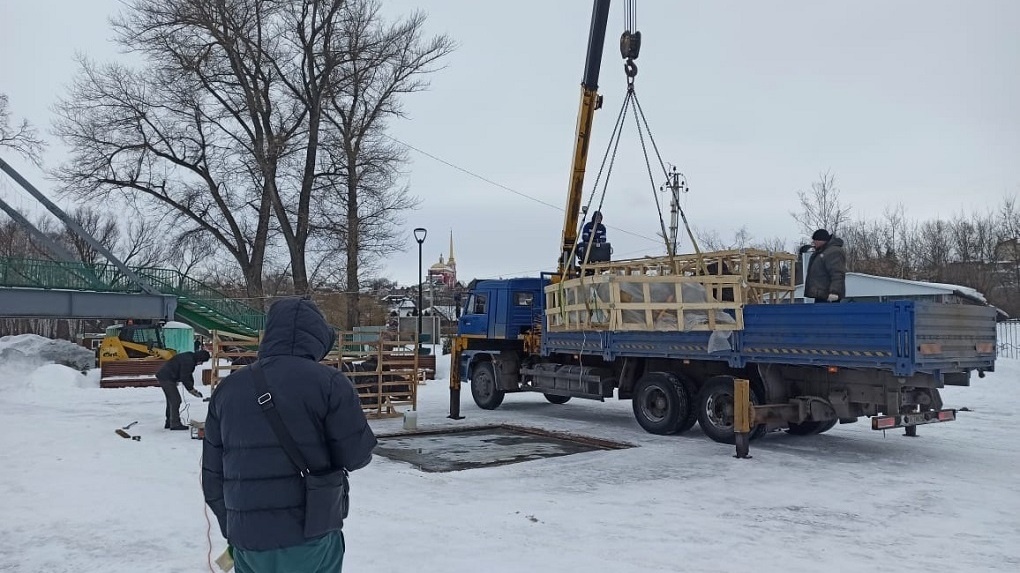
(57, 289)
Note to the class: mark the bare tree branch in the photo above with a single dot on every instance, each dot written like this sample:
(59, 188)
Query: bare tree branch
(22, 137)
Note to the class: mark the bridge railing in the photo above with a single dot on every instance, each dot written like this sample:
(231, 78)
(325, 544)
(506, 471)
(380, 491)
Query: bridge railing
(104, 277)
(193, 291)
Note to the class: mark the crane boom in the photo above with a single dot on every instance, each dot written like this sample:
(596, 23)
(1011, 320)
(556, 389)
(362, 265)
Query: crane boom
(590, 101)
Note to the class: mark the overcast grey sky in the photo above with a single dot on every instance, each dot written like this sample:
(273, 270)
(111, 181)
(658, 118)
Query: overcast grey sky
(911, 102)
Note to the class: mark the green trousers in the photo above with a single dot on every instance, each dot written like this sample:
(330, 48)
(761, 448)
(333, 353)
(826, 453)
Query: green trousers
(323, 555)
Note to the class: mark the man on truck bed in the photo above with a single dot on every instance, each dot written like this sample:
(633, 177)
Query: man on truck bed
(593, 232)
(826, 273)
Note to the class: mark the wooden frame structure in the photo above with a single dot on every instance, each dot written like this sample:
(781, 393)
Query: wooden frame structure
(237, 349)
(706, 291)
(386, 373)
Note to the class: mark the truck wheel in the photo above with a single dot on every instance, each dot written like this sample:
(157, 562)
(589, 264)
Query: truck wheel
(826, 426)
(661, 403)
(810, 428)
(715, 410)
(691, 417)
(553, 398)
(484, 389)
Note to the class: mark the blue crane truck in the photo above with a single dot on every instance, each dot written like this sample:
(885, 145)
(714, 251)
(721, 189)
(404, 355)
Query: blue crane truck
(810, 366)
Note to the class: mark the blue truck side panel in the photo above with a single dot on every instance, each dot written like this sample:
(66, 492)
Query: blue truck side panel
(863, 335)
(847, 334)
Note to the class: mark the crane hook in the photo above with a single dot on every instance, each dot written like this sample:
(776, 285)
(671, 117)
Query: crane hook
(630, 68)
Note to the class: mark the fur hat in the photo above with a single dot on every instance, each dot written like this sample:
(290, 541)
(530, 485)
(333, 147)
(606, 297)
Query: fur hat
(821, 235)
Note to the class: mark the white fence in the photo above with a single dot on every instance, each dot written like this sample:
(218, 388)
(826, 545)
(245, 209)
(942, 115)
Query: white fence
(1008, 339)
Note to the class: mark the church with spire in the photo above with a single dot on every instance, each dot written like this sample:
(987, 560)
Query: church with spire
(445, 272)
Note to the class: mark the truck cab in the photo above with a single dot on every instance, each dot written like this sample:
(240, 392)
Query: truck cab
(502, 309)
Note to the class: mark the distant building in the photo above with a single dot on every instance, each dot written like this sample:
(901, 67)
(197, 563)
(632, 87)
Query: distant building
(444, 272)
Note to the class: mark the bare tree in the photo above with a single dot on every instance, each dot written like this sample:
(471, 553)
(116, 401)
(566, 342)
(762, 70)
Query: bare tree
(821, 208)
(100, 225)
(226, 123)
(20, 137)
(1008, 246)
(14, 241)
(387, 62)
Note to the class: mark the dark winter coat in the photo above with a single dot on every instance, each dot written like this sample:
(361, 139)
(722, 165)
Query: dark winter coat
(826, 272)
(249, 482)
(180, 368)
(593, 232)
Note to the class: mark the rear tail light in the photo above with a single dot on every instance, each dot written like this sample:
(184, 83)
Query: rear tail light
(985, 347)
(947, 415)
(883, 422)
(930, 348)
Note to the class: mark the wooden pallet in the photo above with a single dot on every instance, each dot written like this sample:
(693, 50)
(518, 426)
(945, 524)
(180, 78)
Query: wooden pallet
(130, 373)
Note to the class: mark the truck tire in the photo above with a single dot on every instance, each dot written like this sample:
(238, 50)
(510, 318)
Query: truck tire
(661, 403)
(555, 399)
(715, 410)
(810, 428)
(692, 396)
(484, 389)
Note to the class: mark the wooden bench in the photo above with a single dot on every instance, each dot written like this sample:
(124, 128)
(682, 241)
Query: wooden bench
(130, 373)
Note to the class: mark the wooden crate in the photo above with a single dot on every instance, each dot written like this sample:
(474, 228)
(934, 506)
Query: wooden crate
(388, 382)
(705, 291)
(235, 349)
(385, 373)
(130, 373)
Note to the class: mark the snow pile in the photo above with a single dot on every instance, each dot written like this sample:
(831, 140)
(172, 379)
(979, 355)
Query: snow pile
(76, 496)
(29, 351)
(58, 378)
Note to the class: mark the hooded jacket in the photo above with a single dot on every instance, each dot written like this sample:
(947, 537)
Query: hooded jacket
(181, 368)
(248, 480)
(826, 273)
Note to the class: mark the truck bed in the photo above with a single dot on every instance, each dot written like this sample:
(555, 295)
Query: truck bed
(903, 337)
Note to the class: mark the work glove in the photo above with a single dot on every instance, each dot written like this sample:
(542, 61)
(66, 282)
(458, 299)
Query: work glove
(833, 297)
(198, 394)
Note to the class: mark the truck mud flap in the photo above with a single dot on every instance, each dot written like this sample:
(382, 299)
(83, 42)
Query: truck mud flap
(912, 419)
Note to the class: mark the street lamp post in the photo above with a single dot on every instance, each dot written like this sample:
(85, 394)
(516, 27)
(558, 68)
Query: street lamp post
(419, 236)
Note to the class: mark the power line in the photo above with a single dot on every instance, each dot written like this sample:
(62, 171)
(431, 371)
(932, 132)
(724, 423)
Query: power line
(504, 187)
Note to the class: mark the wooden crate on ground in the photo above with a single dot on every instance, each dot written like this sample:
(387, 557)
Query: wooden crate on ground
(235, 349)
(129, 373)
(384, 372)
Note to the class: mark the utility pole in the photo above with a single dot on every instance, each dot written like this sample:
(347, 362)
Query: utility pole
(675, 185)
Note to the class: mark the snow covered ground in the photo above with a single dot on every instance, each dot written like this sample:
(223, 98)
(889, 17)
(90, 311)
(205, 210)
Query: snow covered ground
(76, 497)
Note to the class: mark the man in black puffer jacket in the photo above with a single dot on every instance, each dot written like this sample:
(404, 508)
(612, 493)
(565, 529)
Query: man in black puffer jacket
(249, 482)
(179, 369)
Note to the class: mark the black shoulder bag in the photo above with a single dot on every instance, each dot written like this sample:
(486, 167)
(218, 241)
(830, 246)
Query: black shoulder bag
(326, 493)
